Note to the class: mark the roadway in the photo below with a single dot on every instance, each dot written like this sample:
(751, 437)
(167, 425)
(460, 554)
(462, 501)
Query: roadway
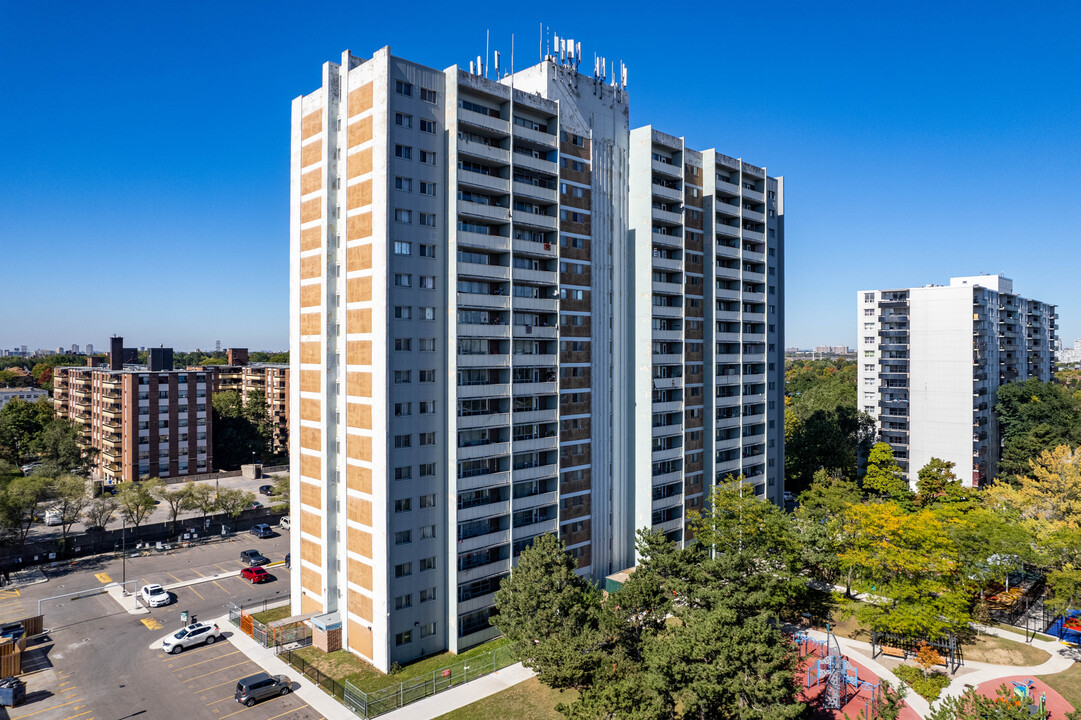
(98, 661)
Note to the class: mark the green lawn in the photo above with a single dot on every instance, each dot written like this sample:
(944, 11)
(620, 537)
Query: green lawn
(269, 616)
(527, 699)
(1067, 683)
(343, 665)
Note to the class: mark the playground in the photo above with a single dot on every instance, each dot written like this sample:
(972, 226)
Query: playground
(1030, 692)
(1067, 628)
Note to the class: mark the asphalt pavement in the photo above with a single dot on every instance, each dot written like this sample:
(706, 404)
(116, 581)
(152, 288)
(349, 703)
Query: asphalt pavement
(99, 661)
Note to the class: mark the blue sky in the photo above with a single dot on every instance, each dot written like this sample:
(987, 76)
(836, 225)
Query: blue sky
(144, 148)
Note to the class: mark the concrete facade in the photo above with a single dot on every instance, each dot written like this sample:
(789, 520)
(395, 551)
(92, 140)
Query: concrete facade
(472, 339)
(26, 394)
(931, 360)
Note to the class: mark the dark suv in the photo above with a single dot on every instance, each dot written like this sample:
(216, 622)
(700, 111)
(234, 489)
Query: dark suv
(253, 558)
(254, 688)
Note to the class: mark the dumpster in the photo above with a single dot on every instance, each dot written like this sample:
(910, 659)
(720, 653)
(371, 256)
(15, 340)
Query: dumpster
(12, 691)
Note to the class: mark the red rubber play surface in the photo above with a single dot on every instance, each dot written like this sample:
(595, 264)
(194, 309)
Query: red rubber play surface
(815, 695)
(1056, 704)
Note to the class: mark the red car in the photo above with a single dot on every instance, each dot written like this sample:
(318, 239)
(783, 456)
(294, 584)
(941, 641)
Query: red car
(255, 574)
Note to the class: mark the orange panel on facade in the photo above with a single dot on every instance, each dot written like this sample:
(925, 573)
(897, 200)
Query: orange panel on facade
(309, 325)
(310, 381)
(309, 409)
(309, 523)
(360, 132)
(359, 416)
(311, 295)
(360, 511)
(358, 289)
(311, 181)
(312, 552)
(360, 99)
(359, 257)
(310, 438)
(311, 580)
(358, 478)
(311, 466)
(359, 195)
(310, 605)
(360, 573)
(360, 605)
(359, 321)
(359, 542)
(310, 495)
(311, 153)
(359, 448)
(311, 239)
(311, 124)
(359, 384)
(311, 267)
(359, 226)
(359, 163)
(359, 352)
(360, 639)
(311, 210)
(309, 353)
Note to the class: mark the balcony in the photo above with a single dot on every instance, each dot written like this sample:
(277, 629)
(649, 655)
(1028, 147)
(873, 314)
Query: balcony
(536, 220)
(667, 193)
(483, 361)
(535, 388)
(478, 300)
(727, 230)
(487, 272)
(481, 120)
(667, 217)
(494, 213)
(663, 263)
(539, 192)
(478, 330)
(472, 422)
(540, 304)
(485, 242)
(667, 288)
(534, 163)
(668, 335)
(476, 452)
(480, 181)
(536, 137)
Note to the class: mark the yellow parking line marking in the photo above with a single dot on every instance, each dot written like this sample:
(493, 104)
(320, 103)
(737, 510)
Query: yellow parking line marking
(236, 713)
(206, 661)
(13, 593)
(103, 578)
(288, 711)
(219, 585)
(196, 592)
(214, 671)
(70, 717)
(218, 701)
(45, 710)
(211, 687)
(151, 624)
(174, 577)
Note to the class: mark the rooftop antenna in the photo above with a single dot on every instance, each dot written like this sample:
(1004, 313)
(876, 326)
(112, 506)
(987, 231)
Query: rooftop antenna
(487, 33)
(547, 44)
(577, 54)
(540, 43)
(496, 64)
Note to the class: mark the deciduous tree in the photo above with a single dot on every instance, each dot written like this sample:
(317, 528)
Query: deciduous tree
(137, 500)
(883, 475)
(177, 499)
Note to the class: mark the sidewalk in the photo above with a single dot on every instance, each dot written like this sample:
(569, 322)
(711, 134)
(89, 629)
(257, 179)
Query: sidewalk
(331, 709)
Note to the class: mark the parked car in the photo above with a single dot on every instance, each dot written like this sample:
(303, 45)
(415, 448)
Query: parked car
(287, 563)
(789, 497)
(256, 575)
(267, 490)
(257, 687)
(284, 522)
(29, 468)
(253, 558)
(262, 530)
(255, 505)
(53, 517)
(155, 595)
(195, 634)
(94, 528)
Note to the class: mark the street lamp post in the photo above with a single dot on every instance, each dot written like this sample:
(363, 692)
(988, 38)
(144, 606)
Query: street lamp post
(124, 553)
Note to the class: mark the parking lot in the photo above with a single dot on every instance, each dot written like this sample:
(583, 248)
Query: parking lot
(98, 661)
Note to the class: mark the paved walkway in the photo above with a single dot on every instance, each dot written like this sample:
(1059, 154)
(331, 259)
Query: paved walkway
(331, 709)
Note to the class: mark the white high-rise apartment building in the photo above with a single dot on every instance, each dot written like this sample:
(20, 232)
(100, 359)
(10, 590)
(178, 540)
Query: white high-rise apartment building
(504, 323)
(932, 359)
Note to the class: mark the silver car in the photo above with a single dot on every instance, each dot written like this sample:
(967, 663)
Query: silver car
(195, 634)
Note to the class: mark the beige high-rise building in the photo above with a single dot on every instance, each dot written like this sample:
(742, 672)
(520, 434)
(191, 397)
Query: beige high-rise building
(505, 323)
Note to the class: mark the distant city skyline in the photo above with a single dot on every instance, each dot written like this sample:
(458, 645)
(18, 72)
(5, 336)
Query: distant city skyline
(915, 146)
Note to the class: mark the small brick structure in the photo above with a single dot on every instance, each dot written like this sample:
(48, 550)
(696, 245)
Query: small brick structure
(327, 632)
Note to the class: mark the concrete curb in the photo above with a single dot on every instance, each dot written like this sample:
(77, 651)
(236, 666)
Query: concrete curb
(198, 580)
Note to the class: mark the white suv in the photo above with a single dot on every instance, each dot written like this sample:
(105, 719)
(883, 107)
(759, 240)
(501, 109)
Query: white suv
(284, 522)
(155, 595)
(194, 634)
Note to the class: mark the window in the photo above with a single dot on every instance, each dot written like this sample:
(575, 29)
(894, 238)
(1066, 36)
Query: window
(403, 409)
(427, 595)
(868, 341)
(427, 219)
(403, 216)
(403, 505)
(403, 88)
(403, 376)
(427, 469)
(403, 120)
(426, 313)
(403, 537)
(869, 409)
(868, 353)
(403, 473)
(403, 151)
(403, 183)
(427, 157)
(869, 368)
(427, 251)
(427, 630)
(426, 376)
(403, 280)
(427, 282)
(403, 638)
(403, 248)
(427, 95)
(403, 344)
(427, 126)
(868, 312)
(427, 564)
(427, 532)
(427, 438)
(403, 570)
(869, 297)
(427, 501)
(403, 312)
(427, 188)
(403, 441)
(427, 344)
(403, 601)
(427, 407)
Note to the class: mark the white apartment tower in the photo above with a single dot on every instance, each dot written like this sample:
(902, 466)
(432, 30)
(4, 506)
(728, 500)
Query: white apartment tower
(497, 332)
(932, 359)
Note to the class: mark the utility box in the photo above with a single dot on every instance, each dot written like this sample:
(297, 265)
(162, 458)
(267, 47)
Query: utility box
(327, 632)
(12, 691)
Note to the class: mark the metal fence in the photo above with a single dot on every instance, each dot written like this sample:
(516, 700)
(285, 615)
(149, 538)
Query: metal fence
(378, 702)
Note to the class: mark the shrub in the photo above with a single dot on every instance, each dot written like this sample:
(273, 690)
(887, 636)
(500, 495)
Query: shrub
(926, 686)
